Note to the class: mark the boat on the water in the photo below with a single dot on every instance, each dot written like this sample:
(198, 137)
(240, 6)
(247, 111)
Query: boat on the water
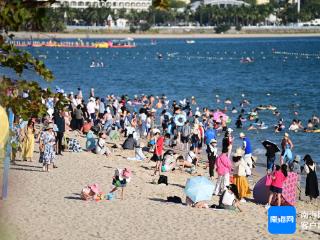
(122, 43)
(246, 60)
(190, 41)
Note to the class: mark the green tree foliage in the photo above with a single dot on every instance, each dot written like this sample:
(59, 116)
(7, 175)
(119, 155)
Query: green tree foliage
(13, 15)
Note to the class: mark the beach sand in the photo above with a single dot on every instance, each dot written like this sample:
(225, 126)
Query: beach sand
(36, 35)
(47, 206)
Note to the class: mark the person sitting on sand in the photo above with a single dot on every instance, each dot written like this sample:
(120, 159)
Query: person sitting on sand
(229, 199)
(169, 161)
(200, 204)
(130, 143)
(191, 158)
(120, 179)
(101, 148)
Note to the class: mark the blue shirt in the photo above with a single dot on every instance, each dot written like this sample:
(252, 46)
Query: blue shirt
(209, 135)
(247, 144)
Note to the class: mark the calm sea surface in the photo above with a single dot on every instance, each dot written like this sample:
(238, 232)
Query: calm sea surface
(209, 67)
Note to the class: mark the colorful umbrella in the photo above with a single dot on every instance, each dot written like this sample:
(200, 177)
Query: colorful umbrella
(199, 189)
(218, 114)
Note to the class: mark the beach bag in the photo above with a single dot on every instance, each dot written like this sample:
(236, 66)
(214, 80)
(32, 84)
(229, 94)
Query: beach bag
(174, 199)
(268, 180)
(163, 179)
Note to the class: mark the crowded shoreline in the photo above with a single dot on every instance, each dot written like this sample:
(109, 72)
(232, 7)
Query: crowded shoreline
(102, 140)
(35, 35)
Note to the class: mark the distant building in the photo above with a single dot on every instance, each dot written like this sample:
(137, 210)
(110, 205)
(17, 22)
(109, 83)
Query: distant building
(220, 3)
(113, 4)
(261, 2)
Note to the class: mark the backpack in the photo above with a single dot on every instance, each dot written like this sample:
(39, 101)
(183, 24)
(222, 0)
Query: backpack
(163, 179)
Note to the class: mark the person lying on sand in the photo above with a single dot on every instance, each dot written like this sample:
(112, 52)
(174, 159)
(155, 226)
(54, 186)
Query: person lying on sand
(200, 204)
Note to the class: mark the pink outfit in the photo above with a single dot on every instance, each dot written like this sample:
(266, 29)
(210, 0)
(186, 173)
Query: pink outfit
(223, 164)
(279, 179)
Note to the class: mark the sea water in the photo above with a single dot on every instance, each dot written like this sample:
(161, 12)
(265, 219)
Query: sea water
(285, 73)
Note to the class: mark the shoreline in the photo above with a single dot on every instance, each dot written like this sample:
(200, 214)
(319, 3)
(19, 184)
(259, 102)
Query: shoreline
(41, 35)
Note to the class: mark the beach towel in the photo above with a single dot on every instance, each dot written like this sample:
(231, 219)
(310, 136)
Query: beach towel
(261, 191)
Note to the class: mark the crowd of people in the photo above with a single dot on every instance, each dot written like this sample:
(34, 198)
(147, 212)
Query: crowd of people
(176, 135)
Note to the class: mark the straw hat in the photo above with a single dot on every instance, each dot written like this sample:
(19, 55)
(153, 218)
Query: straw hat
(50, 126)
(242, 135)
(238, 153)
(213, 141)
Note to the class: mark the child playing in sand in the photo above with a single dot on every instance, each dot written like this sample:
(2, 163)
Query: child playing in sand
(120, 179)
(278, 179)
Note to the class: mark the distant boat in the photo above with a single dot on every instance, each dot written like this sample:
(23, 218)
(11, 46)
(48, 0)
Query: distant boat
(190, 41)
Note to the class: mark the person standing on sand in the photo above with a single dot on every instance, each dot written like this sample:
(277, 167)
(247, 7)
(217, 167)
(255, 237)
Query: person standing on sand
(158, 151)
(241, 170)
(47, 141)
(27, 140)
(246, 146)
(312, 188)
(227, 142)
(60, 122)
(278, 178)
(287, 146)
(223, 168)
(212, 152)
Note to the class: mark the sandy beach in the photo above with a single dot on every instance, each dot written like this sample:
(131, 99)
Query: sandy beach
(47, 206)
(35, 35)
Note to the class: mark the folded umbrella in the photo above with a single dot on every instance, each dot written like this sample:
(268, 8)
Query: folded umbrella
(199, 189)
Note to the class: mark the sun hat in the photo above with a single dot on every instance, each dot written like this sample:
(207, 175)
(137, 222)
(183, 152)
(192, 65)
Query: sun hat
(286, 135)
(92, 99)
(238, 153)
(297, 158)
(242, 135)
(50, 126)
(213, 141)
(229, 130)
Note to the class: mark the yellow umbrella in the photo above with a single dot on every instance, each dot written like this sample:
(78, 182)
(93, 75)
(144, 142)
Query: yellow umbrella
(4, 131)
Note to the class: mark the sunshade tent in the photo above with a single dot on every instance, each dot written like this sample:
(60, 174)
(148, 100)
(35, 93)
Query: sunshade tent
(199, 189)
(261, 191)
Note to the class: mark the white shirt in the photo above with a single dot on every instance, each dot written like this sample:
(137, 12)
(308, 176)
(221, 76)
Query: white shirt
(228, 198)
(191, 155)
(91, 107)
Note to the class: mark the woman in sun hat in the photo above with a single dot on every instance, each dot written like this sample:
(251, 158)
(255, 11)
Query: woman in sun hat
(120, 179)
(241, 170)
(48, 141)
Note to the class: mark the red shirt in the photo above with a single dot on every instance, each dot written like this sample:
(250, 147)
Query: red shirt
(159, 146)
(279, 179)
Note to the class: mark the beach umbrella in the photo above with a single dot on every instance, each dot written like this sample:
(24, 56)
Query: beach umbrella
(180, 119)
(269, 144)
(218, 114)
(199, 189)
